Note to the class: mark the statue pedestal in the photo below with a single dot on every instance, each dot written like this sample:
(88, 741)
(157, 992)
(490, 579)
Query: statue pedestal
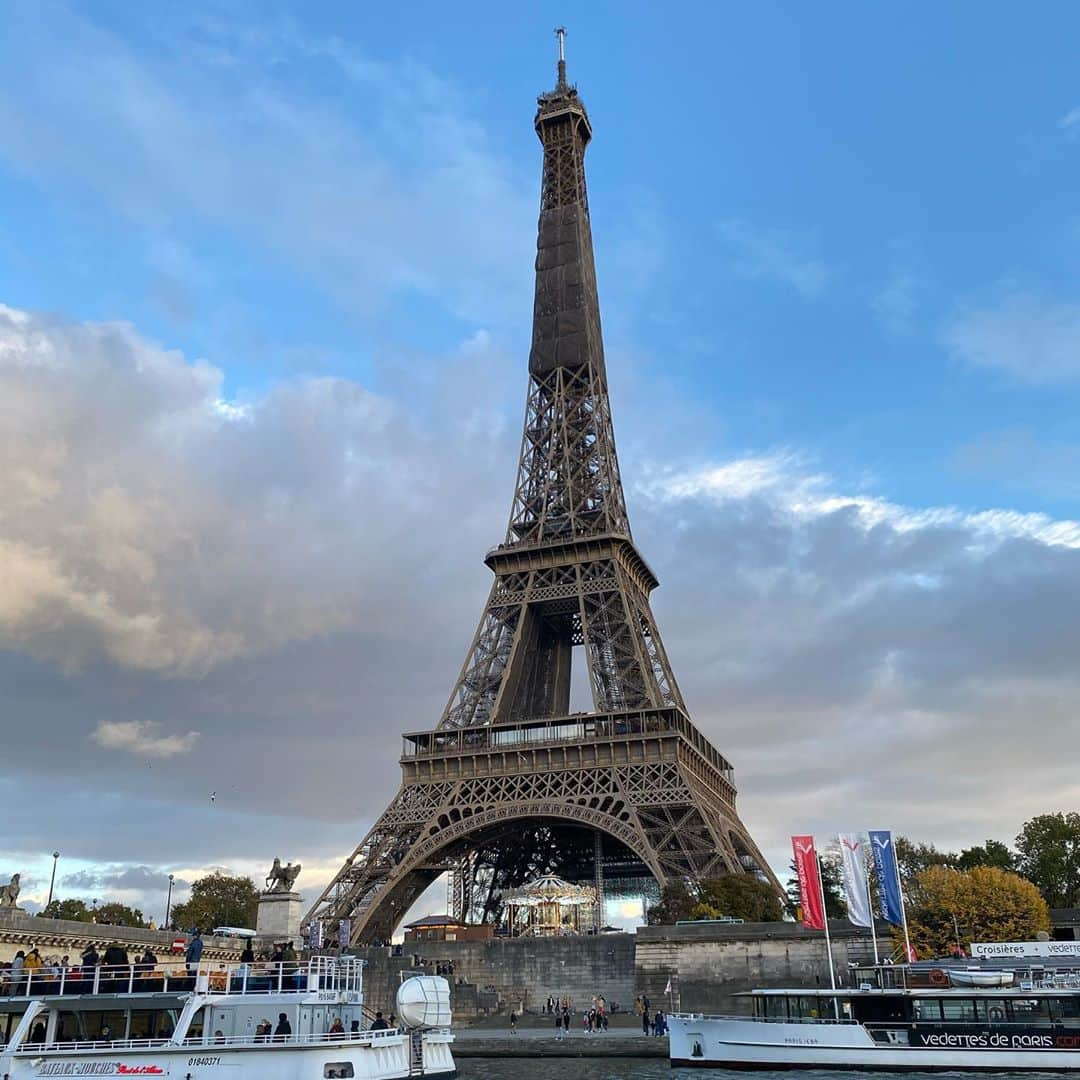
(279, 917)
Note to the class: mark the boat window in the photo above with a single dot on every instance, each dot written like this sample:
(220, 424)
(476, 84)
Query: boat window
(774, 1008)
(805, 1007)
(1066, 1011)
(332, 1070)
(105, 1026)
(958, 1010)
(926, 1010)
(195, 1029)
(1030, 1011)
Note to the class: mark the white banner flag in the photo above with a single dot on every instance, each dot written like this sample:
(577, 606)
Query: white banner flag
(853, 853)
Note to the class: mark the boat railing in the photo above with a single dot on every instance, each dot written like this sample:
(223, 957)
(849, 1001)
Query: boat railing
(320, 973)
(209, 1042)
(844, 1020)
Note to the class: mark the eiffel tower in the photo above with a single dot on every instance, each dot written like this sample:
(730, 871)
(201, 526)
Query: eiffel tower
(511, 784)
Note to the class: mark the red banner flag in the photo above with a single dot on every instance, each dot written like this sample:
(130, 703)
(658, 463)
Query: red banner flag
(806, 867)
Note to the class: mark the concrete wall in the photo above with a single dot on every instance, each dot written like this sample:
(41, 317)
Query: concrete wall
(709, 965)
(522, 970)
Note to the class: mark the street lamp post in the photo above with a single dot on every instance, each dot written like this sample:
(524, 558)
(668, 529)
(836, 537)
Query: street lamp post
(52, 880)
(168, 905)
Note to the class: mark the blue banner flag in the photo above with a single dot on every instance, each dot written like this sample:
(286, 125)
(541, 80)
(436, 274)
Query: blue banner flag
(890, 906)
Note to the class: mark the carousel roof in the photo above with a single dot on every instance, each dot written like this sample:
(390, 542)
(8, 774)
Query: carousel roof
(550, 890)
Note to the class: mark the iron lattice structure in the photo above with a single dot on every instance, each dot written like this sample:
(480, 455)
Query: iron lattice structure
(510, 785)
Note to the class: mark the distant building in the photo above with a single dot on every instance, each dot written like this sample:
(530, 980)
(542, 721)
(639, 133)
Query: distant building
(445, 928)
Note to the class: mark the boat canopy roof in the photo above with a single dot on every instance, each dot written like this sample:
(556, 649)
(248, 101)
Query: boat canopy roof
(915, 991)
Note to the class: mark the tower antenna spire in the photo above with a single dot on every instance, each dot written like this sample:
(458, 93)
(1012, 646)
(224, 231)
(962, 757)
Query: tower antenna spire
(560, 33)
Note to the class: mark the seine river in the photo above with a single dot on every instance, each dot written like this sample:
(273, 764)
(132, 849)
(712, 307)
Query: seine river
(621, 1069)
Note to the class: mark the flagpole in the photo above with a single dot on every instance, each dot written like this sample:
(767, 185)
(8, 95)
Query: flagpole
(903, 911)
(828, 939)
(870, 905)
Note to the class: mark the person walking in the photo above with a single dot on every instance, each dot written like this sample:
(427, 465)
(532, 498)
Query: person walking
(558, 1024)
(644, 1021)
(513, 1022)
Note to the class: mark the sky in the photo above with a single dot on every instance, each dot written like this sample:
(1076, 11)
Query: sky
(265, 276)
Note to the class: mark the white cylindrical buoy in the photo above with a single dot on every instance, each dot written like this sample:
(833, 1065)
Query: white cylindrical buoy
(424, 1002)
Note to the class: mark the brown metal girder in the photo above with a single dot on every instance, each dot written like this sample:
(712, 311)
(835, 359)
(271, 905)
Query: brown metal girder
(510, 558)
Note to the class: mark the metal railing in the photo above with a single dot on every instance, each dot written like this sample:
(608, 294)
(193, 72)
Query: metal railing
(268, 977)
(219, 1041)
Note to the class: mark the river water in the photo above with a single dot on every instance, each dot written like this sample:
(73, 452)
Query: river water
(627, 1069)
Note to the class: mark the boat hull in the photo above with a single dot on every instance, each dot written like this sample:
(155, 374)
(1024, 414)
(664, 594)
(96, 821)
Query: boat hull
(385, 1059)
(746, 1044)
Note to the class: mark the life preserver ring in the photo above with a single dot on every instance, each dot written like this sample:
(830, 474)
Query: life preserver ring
(997, 1013)
(938, 978)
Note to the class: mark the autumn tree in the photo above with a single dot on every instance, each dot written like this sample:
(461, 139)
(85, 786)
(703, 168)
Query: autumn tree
(1048, 854)
(983, 904)
(218, 900)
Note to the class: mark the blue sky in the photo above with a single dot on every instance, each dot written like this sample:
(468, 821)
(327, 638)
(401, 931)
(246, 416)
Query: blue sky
(792, 206)
(837, 251)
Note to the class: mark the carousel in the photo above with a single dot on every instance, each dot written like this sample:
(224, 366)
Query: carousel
(549, 907)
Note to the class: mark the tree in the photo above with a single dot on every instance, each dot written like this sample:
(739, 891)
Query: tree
(676, 902)
(739, 896)
(74, 910)
(218, 900)
(1048, 854)
(983, 904)
(114, 913)
(912, 859)
(992, 853)
(835, 908)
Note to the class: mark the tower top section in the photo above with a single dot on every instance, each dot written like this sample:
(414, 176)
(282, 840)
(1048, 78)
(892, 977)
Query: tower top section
(563, 99)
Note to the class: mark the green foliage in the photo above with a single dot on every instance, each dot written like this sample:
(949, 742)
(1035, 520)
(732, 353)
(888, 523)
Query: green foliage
(676, 902)
(1048, 854)
(912, 859)
(116, 914)
(738, 896)
(218, 900)
(74, 910)
(831, 877)
(987, 903)
(992, 853)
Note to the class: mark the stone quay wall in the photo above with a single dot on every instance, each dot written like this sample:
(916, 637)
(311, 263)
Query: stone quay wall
(58, 936)
(710, 965)
(524, 971)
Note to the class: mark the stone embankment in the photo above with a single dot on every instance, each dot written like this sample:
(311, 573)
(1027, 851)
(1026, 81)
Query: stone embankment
(709, 966)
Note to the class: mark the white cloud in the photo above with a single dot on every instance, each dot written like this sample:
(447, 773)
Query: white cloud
(142, 738)
(894, 305)
(302, 582)
(1030, 338)
(771, 254)
(1070, 121)
(213, 128)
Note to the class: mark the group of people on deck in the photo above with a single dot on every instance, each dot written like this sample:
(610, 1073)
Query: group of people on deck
(30, 973)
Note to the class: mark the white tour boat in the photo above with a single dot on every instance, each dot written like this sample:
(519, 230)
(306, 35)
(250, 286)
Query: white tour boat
(896, 1019)
(289, 1021)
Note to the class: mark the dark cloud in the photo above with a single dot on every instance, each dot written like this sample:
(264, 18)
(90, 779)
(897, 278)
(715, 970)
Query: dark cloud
(296, 583)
